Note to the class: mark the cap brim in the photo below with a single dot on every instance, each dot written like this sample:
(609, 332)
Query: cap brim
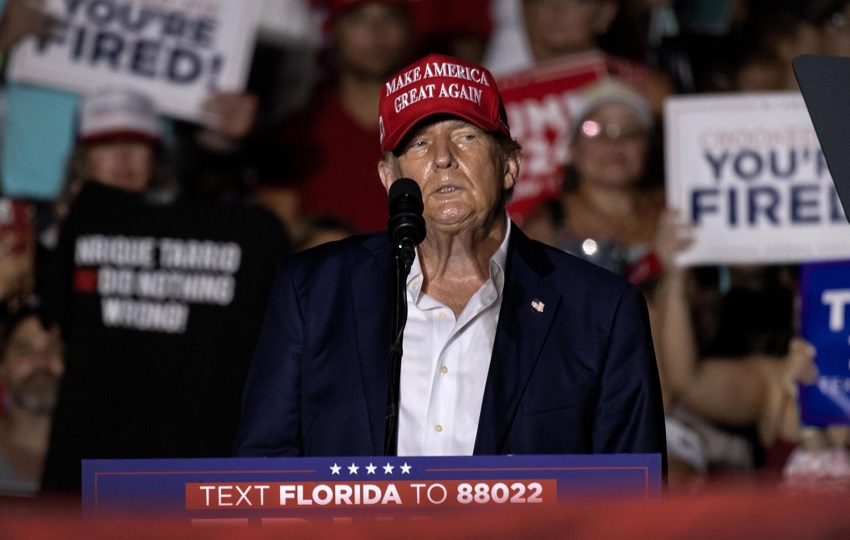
(393, 142)
(126, 135)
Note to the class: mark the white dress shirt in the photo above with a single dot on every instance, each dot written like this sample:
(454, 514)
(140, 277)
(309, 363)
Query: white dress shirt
(445, 364)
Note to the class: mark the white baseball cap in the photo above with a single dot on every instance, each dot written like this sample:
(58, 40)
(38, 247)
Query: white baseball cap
(610, 91)
(116, 113)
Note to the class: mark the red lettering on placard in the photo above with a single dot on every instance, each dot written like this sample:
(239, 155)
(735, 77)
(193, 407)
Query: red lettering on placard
(85, 280)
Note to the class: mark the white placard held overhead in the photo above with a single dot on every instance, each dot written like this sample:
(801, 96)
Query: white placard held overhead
(177, 51)
(748, 172)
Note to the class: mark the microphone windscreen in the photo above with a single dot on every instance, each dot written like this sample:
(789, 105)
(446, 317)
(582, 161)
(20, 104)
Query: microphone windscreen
(405, 208)
(404, 187)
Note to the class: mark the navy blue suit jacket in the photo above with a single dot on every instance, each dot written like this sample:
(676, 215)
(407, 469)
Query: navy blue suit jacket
(577, 377)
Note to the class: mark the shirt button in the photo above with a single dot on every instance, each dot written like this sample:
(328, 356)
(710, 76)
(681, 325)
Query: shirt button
(438, 428)
(444, 370)
(414, 285)
(442, 315)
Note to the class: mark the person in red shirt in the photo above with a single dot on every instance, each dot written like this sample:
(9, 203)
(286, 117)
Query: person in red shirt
(330, 148)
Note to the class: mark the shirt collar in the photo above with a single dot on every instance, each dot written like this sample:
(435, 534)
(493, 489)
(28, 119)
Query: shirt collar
(500, 259)
(497, 266)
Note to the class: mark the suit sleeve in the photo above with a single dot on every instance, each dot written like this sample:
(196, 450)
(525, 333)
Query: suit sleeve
(630, 413)
(271, 401)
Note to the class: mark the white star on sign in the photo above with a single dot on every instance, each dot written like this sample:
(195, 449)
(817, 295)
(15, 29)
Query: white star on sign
(405, 469)
(335, 469)
(370, 469)
(352, 469)
(388, 469)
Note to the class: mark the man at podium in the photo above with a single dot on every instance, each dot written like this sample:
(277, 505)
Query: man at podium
(510, 346)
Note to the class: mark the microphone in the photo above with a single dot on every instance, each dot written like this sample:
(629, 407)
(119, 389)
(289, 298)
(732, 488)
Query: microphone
(406, 226)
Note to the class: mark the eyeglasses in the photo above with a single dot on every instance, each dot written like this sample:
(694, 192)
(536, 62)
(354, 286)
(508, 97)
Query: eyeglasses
(591, 129)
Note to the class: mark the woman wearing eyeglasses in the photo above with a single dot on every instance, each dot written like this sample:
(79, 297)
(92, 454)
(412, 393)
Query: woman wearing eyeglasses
(608, 211)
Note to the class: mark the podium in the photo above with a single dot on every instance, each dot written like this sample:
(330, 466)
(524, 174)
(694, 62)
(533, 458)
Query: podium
(327, 489)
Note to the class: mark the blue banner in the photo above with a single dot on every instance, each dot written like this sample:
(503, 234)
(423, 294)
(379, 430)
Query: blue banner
(825, 322)
(328, 488)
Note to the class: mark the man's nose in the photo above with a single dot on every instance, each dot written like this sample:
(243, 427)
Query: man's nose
(443, 154)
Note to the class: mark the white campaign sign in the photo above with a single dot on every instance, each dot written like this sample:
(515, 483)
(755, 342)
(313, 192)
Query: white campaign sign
(748, 172)
(176, 51)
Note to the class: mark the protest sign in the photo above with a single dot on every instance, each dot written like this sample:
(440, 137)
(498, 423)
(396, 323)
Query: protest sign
(538, 102)
(747, 171)
(825, 322)
(176, 51)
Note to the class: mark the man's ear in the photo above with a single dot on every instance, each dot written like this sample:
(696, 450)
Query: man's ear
(511, 171)
(387, 174)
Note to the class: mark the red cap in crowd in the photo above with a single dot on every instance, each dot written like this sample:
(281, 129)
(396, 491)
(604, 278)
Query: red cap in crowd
(439, 84)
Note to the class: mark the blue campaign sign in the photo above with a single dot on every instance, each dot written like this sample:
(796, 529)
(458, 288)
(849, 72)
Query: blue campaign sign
(825, 322)
(326, 488)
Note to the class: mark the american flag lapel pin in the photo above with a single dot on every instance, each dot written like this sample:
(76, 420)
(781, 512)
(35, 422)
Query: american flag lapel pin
(537, 305)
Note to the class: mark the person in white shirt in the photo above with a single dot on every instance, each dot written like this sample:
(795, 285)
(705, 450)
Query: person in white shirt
(510, 346)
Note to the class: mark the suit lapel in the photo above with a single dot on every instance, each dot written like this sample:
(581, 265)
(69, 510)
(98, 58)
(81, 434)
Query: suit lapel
(528, 310)
(371, 303)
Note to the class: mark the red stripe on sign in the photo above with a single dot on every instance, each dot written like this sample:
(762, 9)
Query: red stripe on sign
(402, 494)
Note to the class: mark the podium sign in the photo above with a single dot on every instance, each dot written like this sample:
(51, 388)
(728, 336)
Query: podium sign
(327, 488)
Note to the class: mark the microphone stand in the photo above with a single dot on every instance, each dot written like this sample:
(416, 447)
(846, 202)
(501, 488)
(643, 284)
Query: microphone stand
(403, 258)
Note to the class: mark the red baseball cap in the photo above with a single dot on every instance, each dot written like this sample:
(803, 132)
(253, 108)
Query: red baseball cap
(439, 84)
